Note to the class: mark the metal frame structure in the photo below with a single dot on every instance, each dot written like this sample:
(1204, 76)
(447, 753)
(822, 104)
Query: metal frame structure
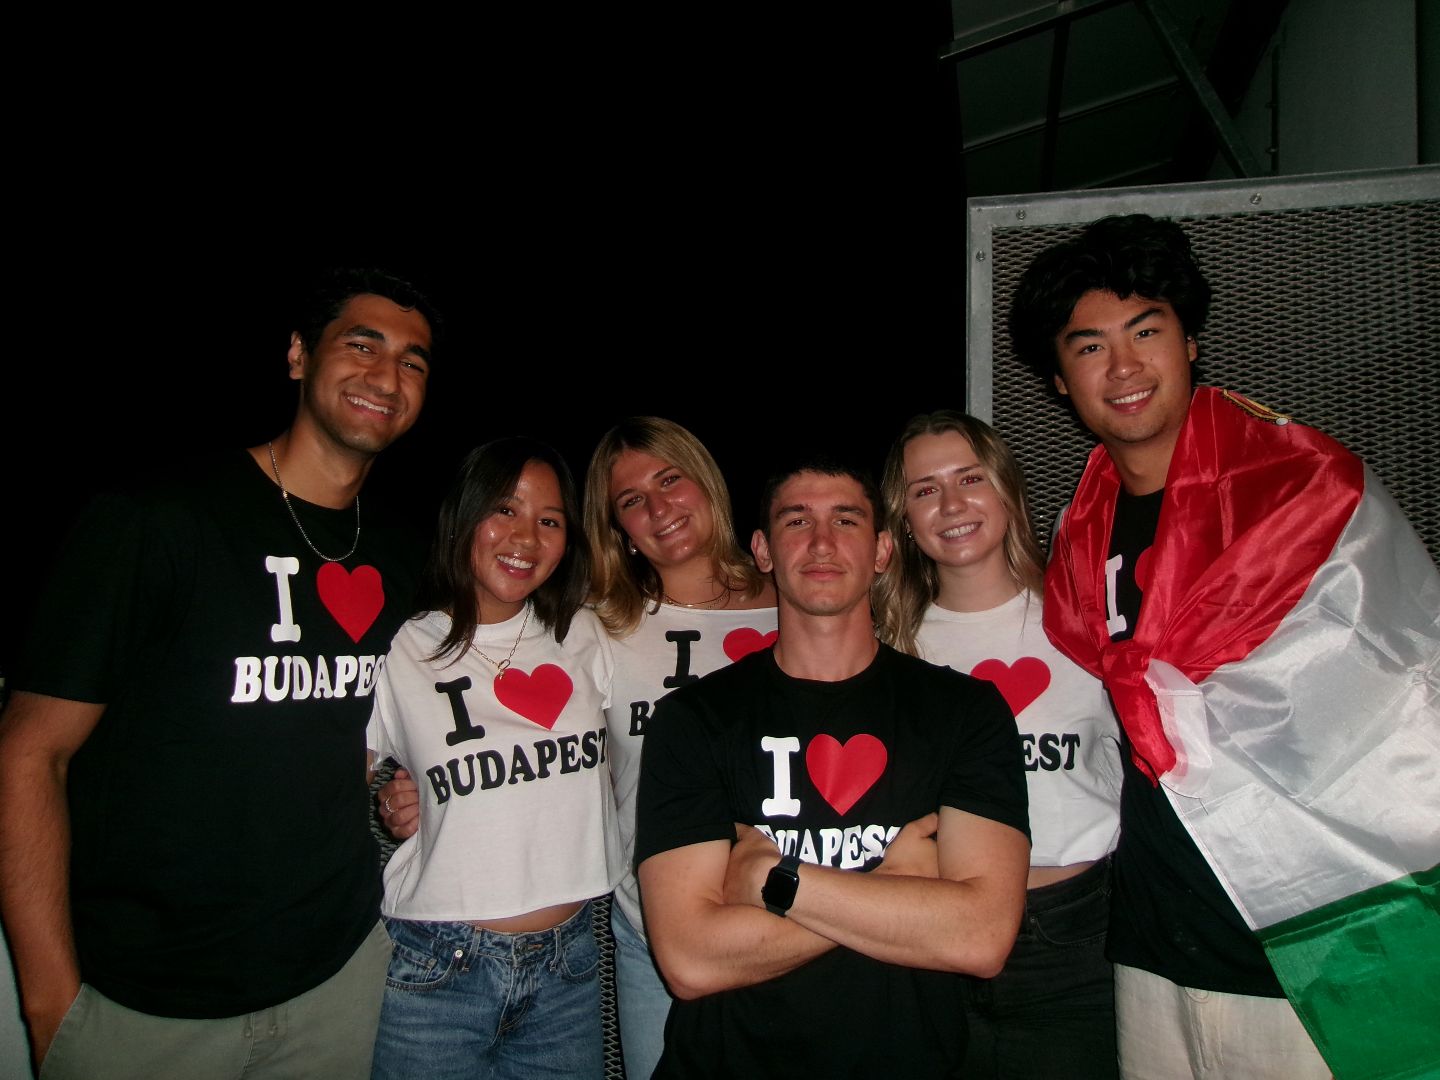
(1189, 71)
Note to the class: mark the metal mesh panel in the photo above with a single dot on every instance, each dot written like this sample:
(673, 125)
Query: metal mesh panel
(1329, 314)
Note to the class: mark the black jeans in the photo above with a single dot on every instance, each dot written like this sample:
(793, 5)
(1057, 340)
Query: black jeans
(1051, 1013)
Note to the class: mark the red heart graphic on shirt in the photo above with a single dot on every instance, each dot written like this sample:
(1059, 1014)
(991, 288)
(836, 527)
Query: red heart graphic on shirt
(1143, 565)
(843, 773)
(1020, 683)
(354, 600)
(538, 696)
(744, 641)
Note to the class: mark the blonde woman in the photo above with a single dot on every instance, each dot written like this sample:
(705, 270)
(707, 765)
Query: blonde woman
(680, 599)
(964, 590)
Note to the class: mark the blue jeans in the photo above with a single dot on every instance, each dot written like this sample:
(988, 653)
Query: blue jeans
(1051, 1012)
(464, 1002)
(643, 1001)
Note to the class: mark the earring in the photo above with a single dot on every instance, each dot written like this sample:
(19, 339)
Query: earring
(630, 546)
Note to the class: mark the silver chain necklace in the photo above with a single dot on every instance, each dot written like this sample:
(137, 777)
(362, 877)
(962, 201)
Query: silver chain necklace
(502, 665)
(303, 534)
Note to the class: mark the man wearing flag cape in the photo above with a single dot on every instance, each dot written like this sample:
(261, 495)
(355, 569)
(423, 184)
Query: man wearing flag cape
(1268, 626)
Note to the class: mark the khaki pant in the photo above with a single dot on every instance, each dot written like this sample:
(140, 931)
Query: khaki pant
(326, 1033)
(1169, 1032)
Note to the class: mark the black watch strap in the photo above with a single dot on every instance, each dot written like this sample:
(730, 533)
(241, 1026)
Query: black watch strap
(781, 885)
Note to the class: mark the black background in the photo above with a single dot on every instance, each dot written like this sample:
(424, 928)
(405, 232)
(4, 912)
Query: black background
(756, 231)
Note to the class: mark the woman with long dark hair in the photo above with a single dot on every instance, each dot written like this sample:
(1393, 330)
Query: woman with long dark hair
(493, 698)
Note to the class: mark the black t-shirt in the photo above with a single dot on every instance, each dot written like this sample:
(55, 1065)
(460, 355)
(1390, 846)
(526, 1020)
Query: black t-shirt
(1168, 912)
(221, 855)
(832, 771)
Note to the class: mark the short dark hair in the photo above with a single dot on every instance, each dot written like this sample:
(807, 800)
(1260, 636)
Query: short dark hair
(825, 465)
(486, 478)
(328, 293)
(1135, 255)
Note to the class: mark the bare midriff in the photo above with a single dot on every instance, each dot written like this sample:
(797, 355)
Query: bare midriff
(546, 918)
(1049, 875)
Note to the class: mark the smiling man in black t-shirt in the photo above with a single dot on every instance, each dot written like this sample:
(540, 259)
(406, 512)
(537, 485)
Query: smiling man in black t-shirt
(770, 788)
(200, 670)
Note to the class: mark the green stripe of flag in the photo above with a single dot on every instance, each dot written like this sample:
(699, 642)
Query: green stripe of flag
(1364, 975)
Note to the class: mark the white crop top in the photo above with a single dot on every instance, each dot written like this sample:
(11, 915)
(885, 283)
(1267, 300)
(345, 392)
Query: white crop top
(1067, 730)
(516, 809)
(672, 647)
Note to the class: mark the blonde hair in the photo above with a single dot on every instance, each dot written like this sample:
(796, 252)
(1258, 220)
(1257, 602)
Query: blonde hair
(624, 584)
(911, 582)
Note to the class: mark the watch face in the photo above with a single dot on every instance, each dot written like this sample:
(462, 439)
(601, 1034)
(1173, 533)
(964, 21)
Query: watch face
(780, 887)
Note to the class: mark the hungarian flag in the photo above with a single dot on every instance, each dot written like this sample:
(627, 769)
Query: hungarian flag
(1283, 685)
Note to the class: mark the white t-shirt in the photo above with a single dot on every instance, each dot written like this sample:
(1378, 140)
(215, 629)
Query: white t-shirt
(1067, 730)
(516, 810)
(672, 647)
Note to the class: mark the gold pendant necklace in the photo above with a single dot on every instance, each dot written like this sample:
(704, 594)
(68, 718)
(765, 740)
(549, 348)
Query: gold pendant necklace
(501, 666)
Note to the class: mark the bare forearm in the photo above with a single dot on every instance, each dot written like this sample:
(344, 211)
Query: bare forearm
(733, 946)
(35, 870)
(34, 896)
(705, 945)
(951, 903)
(915, 922)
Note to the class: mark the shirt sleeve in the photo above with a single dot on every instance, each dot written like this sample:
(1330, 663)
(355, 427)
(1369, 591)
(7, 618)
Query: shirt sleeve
(987, 770)
(377, 737)
(683, 798)
(604, 664)
(105, 602)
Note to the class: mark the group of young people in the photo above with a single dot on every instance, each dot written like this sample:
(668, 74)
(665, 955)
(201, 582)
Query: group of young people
(807, 851)
(678, 599)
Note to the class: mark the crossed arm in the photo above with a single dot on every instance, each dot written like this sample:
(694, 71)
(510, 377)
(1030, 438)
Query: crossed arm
(948, 896)
(38, 736)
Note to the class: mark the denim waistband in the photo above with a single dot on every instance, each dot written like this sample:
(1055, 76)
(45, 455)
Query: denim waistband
(1092, 879)
(530, 945)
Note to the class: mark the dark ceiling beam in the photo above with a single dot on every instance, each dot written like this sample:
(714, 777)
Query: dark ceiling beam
(1013, 29)
(1154, 89)
(950, 118)
(1145, 175)
(1244, 38)
(1242, 160)
(1059, 46)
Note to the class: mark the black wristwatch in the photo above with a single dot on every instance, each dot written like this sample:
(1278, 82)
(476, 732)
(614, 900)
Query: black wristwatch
(780, 885)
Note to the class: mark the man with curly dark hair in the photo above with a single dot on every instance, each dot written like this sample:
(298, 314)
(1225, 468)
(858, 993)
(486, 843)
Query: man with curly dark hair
(1264, 620)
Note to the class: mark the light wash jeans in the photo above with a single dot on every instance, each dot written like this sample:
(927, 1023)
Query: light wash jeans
(643, 1001)
(464, 1002)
